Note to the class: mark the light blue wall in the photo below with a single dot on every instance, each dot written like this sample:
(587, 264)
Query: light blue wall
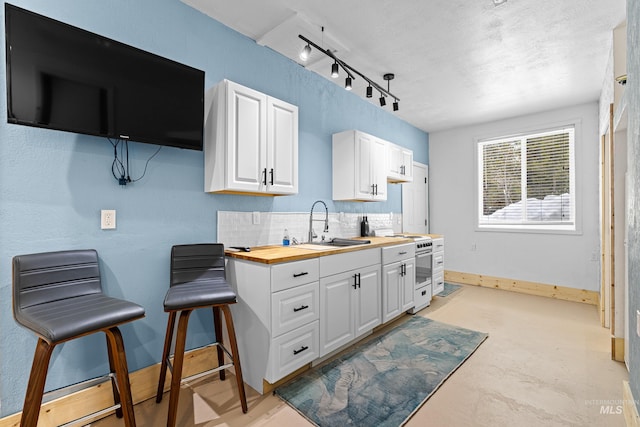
(54, 184)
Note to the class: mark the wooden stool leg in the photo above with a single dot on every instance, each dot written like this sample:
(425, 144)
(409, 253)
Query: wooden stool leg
(35, 387)
(217, 326)
(168, 338)
(236, 356)
(176, 374)
(114, 341)
(112, 369)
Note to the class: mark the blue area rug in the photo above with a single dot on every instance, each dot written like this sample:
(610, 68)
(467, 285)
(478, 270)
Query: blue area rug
(385, 380)
(449, 288)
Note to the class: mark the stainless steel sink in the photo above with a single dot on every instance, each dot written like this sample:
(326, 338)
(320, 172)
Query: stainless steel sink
(341, 242)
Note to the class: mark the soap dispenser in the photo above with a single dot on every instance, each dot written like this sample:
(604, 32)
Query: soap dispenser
(285, 239)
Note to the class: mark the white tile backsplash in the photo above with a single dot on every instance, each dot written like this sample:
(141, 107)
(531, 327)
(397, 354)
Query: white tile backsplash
(238, 229)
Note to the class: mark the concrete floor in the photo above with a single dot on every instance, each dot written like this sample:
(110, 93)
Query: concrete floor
(546, 363)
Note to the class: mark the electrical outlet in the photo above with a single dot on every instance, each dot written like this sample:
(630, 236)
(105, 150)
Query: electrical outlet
(256, 218)
(108, 219)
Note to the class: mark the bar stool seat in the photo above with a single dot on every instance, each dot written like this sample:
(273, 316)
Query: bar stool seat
(197, 281)
(58, 296)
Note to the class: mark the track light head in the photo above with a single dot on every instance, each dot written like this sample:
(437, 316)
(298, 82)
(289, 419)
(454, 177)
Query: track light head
(369, 91)
(305, 52)
(347, 83)
(334, 70)
(383, 101)
(395, 105)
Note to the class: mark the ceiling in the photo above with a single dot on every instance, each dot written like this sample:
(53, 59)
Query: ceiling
(456, 62)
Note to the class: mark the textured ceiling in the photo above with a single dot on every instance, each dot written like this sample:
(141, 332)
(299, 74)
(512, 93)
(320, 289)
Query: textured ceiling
(456, 62)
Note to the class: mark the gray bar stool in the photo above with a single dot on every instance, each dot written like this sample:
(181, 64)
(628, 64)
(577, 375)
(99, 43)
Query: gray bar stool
(58, 296)
(197, 281)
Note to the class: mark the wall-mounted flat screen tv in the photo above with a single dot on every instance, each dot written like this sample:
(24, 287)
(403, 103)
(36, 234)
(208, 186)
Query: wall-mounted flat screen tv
(65, 78)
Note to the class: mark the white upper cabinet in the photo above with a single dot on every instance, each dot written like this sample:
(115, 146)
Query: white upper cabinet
(251, 142)
(359, 167)
(400, 161)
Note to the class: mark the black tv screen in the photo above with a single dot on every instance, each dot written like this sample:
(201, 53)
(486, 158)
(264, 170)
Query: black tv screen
(62, 77)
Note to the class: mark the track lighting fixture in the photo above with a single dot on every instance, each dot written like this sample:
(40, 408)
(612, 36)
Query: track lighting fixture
(351, 72)
(305, 52)
(334, 70)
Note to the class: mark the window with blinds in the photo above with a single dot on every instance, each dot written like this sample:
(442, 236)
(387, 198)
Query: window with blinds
(528, 181)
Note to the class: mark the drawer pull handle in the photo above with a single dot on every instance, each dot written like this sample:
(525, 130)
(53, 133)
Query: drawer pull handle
(402, 253)
(302, 307)
(439, 262)
(300, 274)
(303, 348)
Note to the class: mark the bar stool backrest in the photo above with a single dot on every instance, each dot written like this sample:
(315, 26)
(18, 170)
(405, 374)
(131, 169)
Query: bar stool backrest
(192, 263)
(53, 276)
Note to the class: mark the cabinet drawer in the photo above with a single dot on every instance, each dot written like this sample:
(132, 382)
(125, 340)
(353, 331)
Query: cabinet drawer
(294, 307)
(293, 350)
(438, 244)
(438, 283)
(290, 274)
(392, 254)
(438, 262)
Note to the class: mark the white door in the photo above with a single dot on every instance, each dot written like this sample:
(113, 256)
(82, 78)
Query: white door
(246, 124)
(415, 201)
(282, 147)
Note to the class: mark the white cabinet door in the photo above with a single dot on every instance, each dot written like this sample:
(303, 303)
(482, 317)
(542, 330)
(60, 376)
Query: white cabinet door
(359, 167)
(400, 164)
(246, 128)
(391, 288)
(282, 147)
(408, 284)
(251, 142)
(367, 300)
(378, 168)
(336, 321)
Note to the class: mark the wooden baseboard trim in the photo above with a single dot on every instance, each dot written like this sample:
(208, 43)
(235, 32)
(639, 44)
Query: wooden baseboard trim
(617, 349)
(144, 383)
(629, 408)
(531, 288)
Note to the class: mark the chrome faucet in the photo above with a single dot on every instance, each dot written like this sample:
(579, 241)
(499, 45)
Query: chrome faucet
(312, 234)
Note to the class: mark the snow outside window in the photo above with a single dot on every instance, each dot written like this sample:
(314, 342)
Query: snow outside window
(527, 182)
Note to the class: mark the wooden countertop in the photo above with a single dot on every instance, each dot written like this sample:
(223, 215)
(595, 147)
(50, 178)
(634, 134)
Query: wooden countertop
(277, 254)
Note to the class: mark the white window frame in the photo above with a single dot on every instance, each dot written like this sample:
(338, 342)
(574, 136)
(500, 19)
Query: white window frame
(571, 227)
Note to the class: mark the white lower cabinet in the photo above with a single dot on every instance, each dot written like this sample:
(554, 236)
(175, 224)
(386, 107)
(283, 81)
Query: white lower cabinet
(398, 280)
(276, 317)
(437, 266)
(349, 306)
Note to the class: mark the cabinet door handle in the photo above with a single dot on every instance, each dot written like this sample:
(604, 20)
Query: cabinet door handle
(355, 281)
(423, 293)
(403, 268)
(264, 176)
(304, 273)
(402, 170)
(303, 348)
(271, 176)
(373, 189)
(358, 280)
(302, 307)
(376, 189)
